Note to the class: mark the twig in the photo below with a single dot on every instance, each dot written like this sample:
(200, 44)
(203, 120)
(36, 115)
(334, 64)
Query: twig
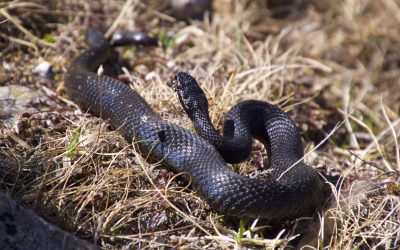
(374, 141)
(127, 7)
(24, 43)
(18, 140)
(346, 103)
(31, 36)
(393, 133)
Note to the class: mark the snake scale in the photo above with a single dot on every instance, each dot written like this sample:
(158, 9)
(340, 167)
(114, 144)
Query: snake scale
(284, 194)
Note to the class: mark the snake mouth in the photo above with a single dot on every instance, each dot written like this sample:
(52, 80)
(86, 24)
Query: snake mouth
(176, 84)
(177, 87)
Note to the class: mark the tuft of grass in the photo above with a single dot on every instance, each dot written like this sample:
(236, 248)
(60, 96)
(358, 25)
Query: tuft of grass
(71, 147)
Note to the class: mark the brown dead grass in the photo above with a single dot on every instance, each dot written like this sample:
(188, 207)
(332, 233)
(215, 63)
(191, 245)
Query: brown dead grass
(327, 64)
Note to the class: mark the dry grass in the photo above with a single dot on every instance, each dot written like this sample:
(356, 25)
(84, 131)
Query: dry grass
(327, 64)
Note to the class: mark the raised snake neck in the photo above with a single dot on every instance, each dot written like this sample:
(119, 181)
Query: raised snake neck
(296, 193)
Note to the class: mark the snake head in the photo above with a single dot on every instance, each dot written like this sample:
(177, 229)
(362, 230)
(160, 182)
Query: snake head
(190, 95)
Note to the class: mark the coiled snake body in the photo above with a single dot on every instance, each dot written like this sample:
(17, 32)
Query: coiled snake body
(281, 196)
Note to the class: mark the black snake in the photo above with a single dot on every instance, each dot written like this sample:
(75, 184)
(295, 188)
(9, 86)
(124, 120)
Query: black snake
(284, 194)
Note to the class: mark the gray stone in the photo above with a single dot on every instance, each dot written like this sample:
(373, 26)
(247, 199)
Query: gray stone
(21, 228)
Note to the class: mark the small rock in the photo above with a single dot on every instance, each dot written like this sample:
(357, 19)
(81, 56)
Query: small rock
(14, 100)
(44, 70)
(7, 66)
(21, 228)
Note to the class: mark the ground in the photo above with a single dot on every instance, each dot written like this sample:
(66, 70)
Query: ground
(334, 66)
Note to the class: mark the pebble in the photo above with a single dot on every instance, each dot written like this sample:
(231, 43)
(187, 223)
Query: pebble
(14, 100)
(44, 70)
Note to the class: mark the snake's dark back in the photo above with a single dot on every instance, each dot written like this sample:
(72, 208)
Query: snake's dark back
(296, 194)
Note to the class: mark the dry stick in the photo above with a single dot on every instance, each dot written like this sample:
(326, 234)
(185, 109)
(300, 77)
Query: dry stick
(393, 8)
(346, 104)
(227, 86)
(315, 64)
(100, 73)
(158, 13)
(386, 218)
(16, 5)
(374, 142)
(127, 6)
(368, 148)
(18, 140)
(393, 133)
(17, 23)
(272, 69)
(132, 236)
(291, 106)
(24, 43)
